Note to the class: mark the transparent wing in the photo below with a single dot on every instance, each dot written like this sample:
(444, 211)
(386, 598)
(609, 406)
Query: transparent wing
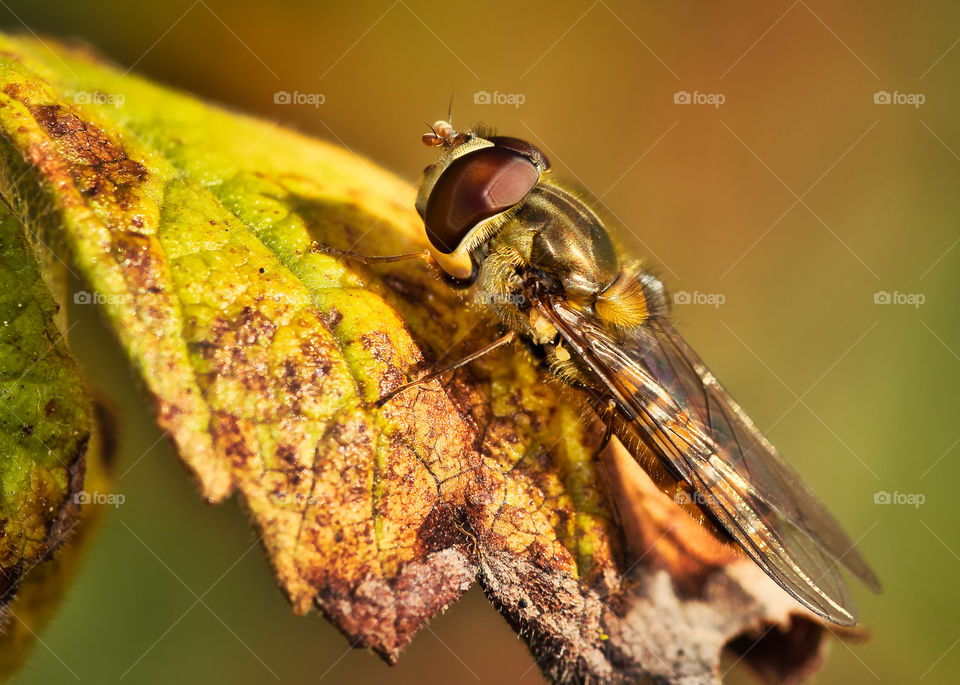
(749, 453)
(694, 425)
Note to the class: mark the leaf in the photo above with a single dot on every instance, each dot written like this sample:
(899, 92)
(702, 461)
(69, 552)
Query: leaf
(45, 422)
(40, 593)
(263, 357)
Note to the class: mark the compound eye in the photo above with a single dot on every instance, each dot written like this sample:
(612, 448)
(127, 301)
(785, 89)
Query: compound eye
(473, 188)
(528, 150)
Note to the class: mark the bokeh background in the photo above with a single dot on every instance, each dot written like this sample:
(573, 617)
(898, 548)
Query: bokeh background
(784, 213)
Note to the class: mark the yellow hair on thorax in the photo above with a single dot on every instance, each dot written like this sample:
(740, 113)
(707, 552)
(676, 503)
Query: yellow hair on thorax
(622, 304)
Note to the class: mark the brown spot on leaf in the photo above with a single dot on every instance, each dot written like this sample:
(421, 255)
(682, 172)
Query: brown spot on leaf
(232, 438)
(440, 530)
(99, 166)
(331, 318)
(379, 346)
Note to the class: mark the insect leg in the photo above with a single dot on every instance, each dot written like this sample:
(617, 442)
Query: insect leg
(608, 430)
(370, 259)
(499, 342)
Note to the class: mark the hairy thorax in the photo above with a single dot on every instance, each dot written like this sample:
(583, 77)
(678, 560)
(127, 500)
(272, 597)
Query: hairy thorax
(555, 242)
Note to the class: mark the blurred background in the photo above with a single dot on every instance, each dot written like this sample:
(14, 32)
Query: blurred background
(790, 168)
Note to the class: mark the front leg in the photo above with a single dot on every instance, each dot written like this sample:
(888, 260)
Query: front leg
(373, 259)
(505, 339)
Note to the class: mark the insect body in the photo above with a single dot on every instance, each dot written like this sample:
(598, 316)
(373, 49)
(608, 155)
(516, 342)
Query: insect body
(540, 259)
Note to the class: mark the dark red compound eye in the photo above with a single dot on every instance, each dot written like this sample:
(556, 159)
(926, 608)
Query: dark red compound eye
(475, 187)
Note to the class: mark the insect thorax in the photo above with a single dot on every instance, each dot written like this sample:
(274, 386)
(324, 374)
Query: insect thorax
(555, 239)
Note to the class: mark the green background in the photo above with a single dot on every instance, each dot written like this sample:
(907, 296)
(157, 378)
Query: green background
(797, 200)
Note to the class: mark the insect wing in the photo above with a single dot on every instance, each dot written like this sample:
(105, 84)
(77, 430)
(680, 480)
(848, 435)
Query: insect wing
(694, 425)
(750, 454)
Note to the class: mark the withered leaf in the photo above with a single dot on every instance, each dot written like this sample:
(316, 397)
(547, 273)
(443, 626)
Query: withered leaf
(263, 358)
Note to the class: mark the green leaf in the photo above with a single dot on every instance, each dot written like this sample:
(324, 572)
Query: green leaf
(45, 417)
(40, 592)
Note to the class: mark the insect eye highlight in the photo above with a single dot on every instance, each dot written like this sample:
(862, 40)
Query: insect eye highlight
(525, 148)
(475, 187)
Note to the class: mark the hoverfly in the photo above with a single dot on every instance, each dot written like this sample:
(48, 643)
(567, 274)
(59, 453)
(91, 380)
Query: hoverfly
(542, 261)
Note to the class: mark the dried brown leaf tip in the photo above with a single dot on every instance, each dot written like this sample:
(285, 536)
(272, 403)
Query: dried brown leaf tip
(264, 359)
